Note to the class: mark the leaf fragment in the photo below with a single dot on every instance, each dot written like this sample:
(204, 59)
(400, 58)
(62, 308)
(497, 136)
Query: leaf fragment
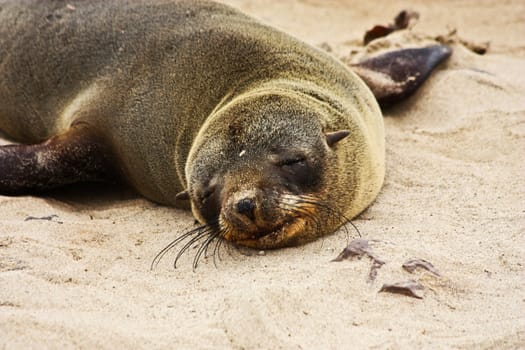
(358, 248)
(413, 264)
(409, 288)
(403, 20)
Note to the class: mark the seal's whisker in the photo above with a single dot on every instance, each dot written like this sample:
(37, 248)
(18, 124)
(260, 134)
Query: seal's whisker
(217, 248)
(226, 230)
(176, 241)
(206, 244)
(323, 206)
(305, 214)
(297, 201)
(218, 238)
(214, 252)
(204, 248)
(190, 243)
(342, 218)
(320, 204)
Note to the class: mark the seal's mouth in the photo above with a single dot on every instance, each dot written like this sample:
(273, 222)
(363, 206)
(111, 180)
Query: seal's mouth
(269, 223)
(296, 220)
(282, 236)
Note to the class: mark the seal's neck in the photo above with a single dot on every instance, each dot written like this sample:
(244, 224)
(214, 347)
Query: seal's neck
(294, 87)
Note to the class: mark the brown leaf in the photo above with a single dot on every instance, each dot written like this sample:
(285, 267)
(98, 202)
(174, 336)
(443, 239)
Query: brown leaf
(413, 264)
(377, 32)
(376, 265)
(409, 288)
(358, 248)
(452, 37)
(403, 20)
(479, 48)
(46, 218)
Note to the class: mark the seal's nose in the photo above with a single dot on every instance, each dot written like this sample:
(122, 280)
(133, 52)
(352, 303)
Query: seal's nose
(246, 207)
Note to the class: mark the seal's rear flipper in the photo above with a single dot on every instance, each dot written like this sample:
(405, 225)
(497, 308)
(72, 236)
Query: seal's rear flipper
(75, 156)
(395, 75)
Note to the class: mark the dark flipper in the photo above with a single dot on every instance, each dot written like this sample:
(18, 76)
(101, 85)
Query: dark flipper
(75, 156)
(395, 75)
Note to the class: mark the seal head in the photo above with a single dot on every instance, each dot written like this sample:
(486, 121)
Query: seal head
(263, 182)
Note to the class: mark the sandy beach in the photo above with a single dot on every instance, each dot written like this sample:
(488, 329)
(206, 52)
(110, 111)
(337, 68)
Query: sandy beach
(75, 264)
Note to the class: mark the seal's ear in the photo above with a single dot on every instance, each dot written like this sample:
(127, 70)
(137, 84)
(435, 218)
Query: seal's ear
(336, 136)
(182, 196)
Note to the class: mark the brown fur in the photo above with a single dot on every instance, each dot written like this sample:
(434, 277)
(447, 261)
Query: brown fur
(179, 89)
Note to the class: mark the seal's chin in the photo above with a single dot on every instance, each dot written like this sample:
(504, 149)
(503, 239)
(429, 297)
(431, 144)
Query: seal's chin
(287, 234)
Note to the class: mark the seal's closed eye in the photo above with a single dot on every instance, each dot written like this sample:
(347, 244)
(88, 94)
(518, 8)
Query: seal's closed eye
(298, 172)
(298, 160)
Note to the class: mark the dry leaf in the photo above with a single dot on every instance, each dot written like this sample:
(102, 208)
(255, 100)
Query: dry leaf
(413, 264)
(358, 248)
(403, 20)
(410, 288)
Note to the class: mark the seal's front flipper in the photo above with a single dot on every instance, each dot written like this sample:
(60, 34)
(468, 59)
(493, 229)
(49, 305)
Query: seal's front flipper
(75, 156)
(395, 75)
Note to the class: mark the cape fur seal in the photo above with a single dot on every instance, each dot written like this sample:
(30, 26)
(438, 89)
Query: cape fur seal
(274, 142)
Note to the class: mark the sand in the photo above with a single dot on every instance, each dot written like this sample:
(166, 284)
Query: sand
(454, 195)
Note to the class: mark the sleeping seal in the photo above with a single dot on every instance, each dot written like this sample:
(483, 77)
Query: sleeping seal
(272, 141)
